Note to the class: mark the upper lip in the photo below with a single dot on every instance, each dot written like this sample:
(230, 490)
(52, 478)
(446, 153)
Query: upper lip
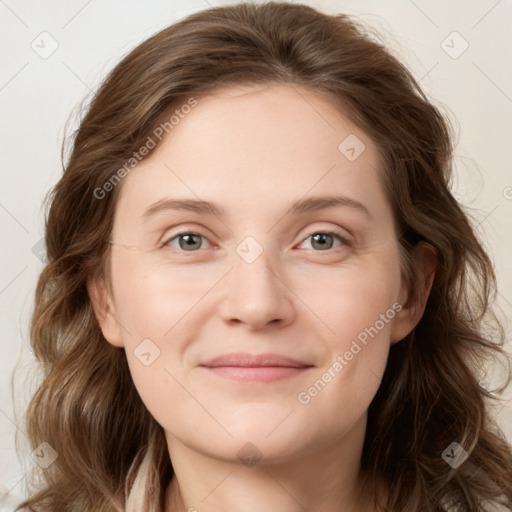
(254, 361)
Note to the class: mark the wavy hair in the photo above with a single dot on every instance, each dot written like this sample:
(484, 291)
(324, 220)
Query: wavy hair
(112, 454)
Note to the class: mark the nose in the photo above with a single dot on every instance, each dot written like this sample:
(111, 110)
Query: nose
(255, 295)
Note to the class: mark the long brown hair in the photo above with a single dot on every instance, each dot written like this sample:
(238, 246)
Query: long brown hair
(87, 408)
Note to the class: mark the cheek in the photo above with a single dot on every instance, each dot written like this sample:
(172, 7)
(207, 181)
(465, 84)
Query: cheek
(151, 301)
(351, 299)
(340, 391)
(158, 309)
(359, 310)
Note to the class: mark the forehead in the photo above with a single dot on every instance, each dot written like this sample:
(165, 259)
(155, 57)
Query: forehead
(256, 145)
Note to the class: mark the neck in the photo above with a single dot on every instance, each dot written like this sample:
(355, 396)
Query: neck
(327, 480)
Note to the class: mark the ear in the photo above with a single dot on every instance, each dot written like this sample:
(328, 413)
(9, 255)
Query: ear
(413, 307)
(104, 310)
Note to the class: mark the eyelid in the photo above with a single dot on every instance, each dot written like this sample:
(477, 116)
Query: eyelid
(345, 242)
(327, 231)
(165, 239)
(342, 233)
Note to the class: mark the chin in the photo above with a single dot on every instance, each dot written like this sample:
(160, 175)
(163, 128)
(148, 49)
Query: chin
(251, 444)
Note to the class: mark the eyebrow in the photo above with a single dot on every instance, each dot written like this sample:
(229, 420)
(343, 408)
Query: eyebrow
(207, 208)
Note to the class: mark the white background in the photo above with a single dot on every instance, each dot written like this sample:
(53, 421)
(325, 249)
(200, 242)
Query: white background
(38, 95)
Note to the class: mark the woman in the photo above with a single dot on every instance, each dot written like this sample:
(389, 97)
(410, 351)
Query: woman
(295, 151)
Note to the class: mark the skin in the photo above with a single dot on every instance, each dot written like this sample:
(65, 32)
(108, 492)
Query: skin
(254, 150)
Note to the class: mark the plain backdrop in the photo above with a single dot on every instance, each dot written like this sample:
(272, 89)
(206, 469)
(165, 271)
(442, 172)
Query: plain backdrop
(54, 53)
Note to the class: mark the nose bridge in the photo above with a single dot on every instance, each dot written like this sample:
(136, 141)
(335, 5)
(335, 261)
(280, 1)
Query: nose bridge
(256, 294)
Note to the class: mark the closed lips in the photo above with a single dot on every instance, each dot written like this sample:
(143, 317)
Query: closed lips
(254, 361)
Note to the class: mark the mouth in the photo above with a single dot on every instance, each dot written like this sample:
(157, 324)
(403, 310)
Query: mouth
(255, 368)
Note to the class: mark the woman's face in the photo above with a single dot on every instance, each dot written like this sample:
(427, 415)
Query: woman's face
(269, 320)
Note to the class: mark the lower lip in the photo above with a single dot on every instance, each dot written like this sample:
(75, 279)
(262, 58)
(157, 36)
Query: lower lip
(256, 374)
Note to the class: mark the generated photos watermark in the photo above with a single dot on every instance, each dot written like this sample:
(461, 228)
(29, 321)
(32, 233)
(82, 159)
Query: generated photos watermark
(342, 360)
(157, 135)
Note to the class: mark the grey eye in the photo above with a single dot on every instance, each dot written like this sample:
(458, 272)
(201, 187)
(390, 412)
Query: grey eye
(323, 241)
(187, 241)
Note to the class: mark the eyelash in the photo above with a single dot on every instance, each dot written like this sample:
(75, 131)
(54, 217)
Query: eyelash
(335, 234)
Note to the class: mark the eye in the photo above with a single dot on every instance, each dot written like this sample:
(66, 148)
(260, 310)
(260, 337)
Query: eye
(323, 240)
(187, 241)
